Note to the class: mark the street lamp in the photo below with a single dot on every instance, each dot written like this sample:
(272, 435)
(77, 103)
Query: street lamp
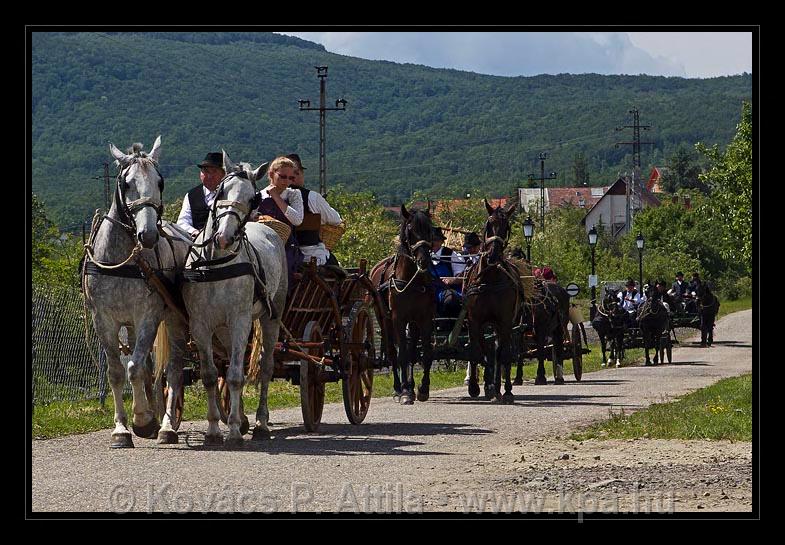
(639, 244)
(593, 243)
(528, 233)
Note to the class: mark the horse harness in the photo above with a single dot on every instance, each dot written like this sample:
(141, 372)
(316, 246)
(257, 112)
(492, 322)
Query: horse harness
(199, 270)
(134, 266)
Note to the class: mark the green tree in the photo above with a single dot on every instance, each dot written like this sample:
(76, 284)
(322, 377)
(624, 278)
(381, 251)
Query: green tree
(370, 230)
(730, 179)
(682, 172)
(580, 169)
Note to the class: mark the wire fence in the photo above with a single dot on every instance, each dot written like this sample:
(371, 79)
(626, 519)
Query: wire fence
(64, 356)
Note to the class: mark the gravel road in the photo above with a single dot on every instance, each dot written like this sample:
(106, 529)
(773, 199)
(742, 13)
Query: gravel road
(452, 453)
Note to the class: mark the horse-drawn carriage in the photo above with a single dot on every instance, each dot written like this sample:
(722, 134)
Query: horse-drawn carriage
(327, 335)
(650, 325)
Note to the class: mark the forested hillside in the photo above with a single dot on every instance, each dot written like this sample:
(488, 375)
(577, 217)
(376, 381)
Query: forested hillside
(406, 128)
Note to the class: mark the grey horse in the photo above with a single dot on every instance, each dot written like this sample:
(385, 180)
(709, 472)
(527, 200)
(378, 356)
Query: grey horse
(235, 261)
(118, 294)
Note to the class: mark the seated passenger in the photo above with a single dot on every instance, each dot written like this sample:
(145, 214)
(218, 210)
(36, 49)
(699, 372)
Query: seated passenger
(446, 263)
(284, 204)
(316, 212)
(629, 300)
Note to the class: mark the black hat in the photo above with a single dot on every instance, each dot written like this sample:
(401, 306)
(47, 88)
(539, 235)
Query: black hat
(296, 158)
(679, 273)
(437, 233)
(213, 159)
(630, 282)
(471, 239)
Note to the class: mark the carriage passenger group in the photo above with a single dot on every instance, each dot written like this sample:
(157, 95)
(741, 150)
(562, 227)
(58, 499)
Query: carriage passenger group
(224, 276)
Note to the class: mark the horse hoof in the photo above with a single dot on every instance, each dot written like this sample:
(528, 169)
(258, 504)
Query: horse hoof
(122, 440)
(490, 393)
(213, 440)
(618, 364)
(559, 380)
(260, 434)
(474, 389)
(244, 425)
(148, 431)
(517, 382)
(167, 437)
(508, 399)
(539, 381)
(602, 364)
(423, 393)
(407, 398)
(234, 442)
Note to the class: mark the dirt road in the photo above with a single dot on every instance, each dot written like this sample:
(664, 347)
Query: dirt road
(451, 453)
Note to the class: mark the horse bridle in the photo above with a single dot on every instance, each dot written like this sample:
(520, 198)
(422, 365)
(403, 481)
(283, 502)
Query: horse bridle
(495, 238)
(413, 248)
(129, 209)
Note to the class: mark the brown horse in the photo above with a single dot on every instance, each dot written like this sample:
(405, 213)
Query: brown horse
(406, 286)
(708, 307)
(493, 296)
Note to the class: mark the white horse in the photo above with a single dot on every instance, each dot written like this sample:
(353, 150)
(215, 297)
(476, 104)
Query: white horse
(118, 294)
(219, 293)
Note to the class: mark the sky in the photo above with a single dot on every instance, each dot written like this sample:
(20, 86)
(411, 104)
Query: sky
(683, 54)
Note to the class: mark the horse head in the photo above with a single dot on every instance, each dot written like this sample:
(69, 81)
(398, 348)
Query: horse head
(497, 230)
(237, 195)
(416, 237)
(139, 192)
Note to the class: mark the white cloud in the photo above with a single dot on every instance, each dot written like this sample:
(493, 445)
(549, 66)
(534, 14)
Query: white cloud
(686, 54)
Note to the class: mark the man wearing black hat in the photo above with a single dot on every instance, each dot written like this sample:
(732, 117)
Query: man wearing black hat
(317, 212)
(197, 202)
(471, 248)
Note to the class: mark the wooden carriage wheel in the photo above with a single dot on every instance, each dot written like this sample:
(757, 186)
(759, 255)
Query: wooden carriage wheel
(577, 352)
(358, 357)
(311, 384)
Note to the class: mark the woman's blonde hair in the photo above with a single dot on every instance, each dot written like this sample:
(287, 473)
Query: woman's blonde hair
(279, 163)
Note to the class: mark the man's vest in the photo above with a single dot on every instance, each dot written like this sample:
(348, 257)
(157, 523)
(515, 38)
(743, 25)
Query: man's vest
(444, 267)
(307, 232)
(199, 210)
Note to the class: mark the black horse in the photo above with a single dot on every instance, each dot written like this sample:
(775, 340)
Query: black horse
(653, 320)
(493, 299)
(708, 307)
(406, 286)
(610, 324)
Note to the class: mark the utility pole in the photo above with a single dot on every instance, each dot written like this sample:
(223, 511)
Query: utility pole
(636, 158)
(105, 178)
(340, 104)
(551, 176)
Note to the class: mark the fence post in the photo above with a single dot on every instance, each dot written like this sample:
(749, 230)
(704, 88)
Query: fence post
(102, 376)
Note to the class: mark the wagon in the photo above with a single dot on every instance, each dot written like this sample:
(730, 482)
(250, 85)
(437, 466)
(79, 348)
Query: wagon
(327, 334)
(451, 342)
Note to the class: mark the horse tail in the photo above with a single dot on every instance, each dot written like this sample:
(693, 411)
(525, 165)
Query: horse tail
(161, 349)
(256, 352)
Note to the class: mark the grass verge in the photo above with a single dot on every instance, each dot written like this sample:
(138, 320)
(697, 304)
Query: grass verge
(720, 411)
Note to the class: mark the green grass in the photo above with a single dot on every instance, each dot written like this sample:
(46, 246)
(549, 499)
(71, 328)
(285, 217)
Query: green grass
(720, 411)
(729, 307)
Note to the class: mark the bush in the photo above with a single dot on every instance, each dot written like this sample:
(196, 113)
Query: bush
(733, 288)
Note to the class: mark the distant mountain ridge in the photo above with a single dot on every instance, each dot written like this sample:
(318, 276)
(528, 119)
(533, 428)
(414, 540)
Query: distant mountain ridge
(406, 127)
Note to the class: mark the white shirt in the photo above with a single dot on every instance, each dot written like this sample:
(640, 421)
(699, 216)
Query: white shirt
(627, 302)
(185, 219)
(318, 205)
(294, 200)
(456, 260)
(330, 216)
